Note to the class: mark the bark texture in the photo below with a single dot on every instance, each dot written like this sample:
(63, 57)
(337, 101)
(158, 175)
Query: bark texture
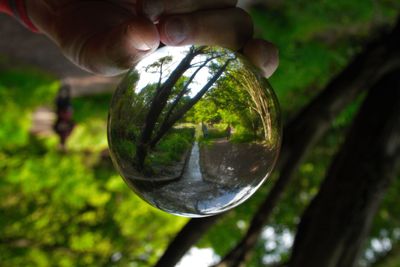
(300, 134)
(337, 222)
(313, 122)
(183, 241)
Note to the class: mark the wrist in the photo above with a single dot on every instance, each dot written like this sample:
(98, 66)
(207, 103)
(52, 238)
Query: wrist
(17, 9)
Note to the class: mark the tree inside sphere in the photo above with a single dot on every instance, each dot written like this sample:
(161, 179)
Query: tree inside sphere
(194, 130)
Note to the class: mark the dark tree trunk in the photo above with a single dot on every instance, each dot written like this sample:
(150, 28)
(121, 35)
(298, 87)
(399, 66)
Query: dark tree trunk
(158, 104)
(171, 120)
(337, 222)
(185, 88)
(299, 136)
(189, 234)
(313, 122)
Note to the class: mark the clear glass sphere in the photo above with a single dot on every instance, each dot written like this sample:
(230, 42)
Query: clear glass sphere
(194, 130)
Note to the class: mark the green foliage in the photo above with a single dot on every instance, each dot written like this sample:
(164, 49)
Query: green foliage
(227, 105)
(204, 111)
(74, 210)
(171, 148)
(87, 108)
(68, 209)
(242, 135)
(214, 133)
(316, 40)
(20, 93)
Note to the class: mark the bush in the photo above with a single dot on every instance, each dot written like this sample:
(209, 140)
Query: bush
(174, 145)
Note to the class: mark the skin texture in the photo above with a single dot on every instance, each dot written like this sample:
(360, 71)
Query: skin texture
(108, 37)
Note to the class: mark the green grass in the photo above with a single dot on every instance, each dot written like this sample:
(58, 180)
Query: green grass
(87, 108)
(21, 91)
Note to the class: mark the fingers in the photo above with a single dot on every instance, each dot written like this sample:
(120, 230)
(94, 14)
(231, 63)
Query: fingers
(154, 8)
(211, 22)
(263, 54)
(229, 28)
(112, 52)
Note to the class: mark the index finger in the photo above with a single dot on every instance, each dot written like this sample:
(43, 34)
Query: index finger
(153, 9)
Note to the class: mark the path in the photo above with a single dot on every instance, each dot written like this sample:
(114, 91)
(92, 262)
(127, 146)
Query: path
(228, 163)
(192, 171)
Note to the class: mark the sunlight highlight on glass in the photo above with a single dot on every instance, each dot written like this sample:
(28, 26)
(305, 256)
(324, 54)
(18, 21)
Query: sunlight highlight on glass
(194, 130)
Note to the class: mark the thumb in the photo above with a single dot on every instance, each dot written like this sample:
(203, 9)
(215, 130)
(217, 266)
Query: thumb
(113, 51)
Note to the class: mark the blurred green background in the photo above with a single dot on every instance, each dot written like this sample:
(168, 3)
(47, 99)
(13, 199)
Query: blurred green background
(73, 209)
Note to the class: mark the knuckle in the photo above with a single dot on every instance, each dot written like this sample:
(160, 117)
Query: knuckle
(243, 20)
(243, 26)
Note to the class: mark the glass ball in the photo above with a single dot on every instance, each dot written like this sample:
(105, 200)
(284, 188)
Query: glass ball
(194, 130)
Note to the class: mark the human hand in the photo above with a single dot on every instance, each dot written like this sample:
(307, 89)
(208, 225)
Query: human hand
(108, 37)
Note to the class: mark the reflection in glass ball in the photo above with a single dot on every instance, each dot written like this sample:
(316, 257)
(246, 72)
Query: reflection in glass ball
(194, 130)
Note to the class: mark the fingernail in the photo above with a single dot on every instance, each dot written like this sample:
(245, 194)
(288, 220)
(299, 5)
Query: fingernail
(269, 58)
(270, 65)
(153, 9)
(137, 40)
(176, 30)
(140, 45)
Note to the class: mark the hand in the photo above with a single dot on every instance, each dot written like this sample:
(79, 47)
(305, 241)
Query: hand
(108, 37)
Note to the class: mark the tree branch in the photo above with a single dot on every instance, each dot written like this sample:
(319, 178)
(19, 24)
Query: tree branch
(189, 234)
(305, 130)
(158, 104)
(179, 114)
(335, 225)
(313, 122)
(185, 88)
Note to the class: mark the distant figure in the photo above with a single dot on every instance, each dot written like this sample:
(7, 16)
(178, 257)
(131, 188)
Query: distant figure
(228, 132)
(64, 123)
(204, 129)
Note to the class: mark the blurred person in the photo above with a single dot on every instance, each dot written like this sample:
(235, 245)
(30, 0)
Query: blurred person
(64, 123)
(228, 131)
(204, 129)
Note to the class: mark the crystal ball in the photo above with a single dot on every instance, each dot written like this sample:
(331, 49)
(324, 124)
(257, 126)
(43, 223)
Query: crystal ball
(194, 130)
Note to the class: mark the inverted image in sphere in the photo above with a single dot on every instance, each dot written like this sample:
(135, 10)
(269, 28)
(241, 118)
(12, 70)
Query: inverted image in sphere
(194, 130)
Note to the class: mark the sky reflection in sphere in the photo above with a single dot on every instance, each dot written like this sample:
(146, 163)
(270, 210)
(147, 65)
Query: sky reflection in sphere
(194, 130)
